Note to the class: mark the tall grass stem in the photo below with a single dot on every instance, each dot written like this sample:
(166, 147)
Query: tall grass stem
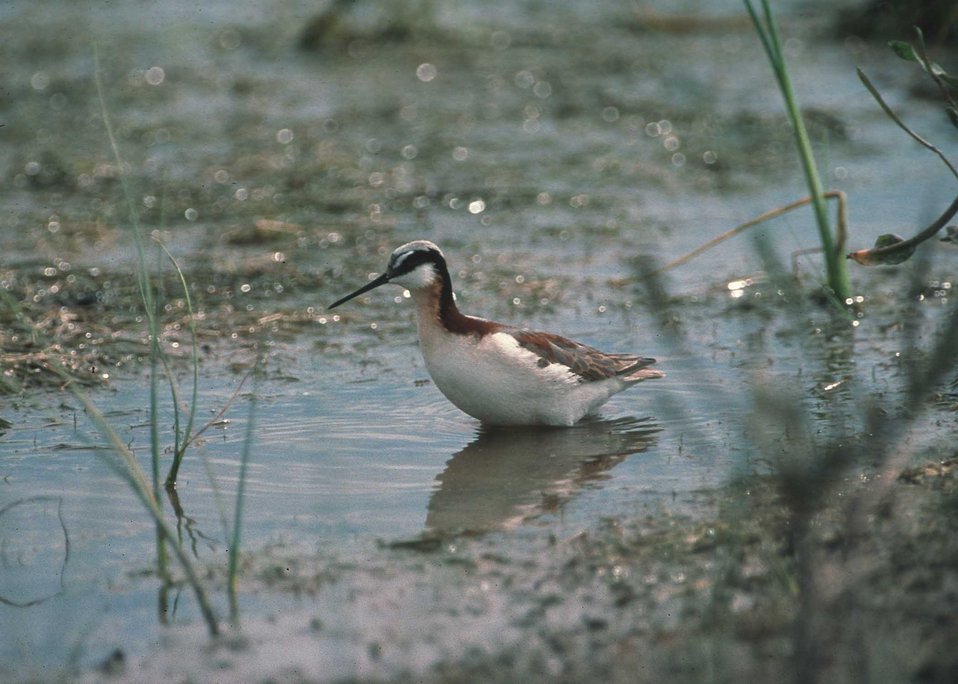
(128, 469)
(148, 493)
(835, 265)
(183, 436)
(240, 492)
(149, 304)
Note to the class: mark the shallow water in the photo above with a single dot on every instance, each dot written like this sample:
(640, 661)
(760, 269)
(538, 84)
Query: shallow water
(543, 173)
(340, 467)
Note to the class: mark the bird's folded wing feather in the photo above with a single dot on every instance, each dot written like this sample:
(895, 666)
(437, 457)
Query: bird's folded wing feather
(587, 363)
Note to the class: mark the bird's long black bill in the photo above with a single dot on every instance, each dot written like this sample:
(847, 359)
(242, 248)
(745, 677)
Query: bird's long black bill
(381, 280)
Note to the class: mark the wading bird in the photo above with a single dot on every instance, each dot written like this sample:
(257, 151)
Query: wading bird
(498, 373)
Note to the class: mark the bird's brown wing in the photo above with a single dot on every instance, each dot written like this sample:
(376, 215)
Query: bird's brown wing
(587, 363)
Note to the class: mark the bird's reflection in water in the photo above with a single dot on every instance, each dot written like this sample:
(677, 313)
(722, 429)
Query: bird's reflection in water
(509, 475)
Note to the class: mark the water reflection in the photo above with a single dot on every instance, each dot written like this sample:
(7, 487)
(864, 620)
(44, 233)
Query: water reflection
(34, 550)
(508, 476)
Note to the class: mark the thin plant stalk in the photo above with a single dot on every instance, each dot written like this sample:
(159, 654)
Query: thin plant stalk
(878, 254)
(841, 222)
(129, 470)
(901, 124)
(936, 72)
(217, 494)
(189, 439)
(835, 266)
(155, 352)
(903, 249)
(240, 492)
(149, 304)
(182, 438)
(132, 472)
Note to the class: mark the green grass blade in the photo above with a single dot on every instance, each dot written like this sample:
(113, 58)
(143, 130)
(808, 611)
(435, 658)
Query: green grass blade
(149, 494)
(128, 469)
(240, 493)
(835, 266)
(180, 449)
(146, 294)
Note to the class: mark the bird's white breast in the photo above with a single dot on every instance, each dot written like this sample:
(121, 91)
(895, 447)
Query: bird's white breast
(492, 378)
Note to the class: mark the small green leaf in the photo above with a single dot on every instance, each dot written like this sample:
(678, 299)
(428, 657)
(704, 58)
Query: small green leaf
(887, 240)
(936, 69)
(904, 50)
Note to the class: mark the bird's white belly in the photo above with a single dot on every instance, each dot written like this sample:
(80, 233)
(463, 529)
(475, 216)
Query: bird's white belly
(495, 380)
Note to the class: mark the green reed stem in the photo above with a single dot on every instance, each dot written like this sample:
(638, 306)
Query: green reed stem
(128, 469)
(149, 305)
(148, 493)
(240, 492)
(835, 265)
(183, 437)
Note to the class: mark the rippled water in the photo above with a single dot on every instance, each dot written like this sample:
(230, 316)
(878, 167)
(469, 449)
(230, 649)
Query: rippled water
(543, 172)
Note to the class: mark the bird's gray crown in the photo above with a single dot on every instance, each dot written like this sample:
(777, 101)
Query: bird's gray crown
(407, 257)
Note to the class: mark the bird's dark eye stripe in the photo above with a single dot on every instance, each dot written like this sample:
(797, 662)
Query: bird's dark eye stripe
(404, 263)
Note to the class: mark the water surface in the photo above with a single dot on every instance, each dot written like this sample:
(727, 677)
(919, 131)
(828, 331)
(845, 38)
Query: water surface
(543, 171)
